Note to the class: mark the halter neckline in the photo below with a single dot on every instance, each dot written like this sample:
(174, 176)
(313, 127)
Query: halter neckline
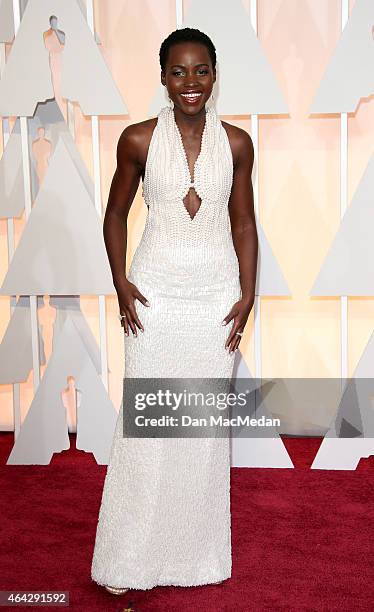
(177, 140)
(202, 143)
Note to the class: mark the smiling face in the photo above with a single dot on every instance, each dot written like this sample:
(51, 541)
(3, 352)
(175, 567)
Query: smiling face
(189, 76)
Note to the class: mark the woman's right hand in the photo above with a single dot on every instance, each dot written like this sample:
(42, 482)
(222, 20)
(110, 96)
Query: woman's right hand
(127, 293)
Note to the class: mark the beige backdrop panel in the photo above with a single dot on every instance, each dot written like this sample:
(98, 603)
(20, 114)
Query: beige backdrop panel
(299, 206)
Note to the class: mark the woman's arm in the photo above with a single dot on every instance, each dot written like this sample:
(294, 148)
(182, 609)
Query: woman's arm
(123, 188)
(242, 216)
(243, 229)
(122, 192)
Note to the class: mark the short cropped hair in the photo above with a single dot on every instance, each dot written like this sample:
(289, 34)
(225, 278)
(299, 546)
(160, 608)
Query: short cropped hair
(186, 35)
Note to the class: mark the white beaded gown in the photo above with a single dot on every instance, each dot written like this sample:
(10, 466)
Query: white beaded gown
(165, 511)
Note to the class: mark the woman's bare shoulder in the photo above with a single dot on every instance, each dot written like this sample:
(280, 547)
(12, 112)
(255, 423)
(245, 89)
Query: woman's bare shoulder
(135, 139)
(240, 141)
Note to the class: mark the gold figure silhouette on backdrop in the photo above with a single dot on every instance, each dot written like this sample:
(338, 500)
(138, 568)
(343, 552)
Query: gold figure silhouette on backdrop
(54, 40)
(41, 149)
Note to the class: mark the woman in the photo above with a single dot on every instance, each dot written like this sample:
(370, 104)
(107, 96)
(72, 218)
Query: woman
(165, 512)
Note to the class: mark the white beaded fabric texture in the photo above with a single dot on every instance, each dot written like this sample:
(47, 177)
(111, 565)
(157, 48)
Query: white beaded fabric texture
(165, 511)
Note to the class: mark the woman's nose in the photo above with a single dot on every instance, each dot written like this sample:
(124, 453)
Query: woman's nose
(190, 81)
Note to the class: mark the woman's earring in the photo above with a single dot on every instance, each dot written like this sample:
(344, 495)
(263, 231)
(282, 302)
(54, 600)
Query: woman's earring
(170, 102)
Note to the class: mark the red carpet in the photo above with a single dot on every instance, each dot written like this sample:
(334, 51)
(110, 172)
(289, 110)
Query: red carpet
(302, 539)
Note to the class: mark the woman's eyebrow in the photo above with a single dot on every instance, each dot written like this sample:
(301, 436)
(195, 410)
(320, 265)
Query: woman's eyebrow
(182, 66)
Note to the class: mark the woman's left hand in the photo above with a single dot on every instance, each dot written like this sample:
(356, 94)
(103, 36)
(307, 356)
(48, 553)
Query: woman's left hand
(240, 313)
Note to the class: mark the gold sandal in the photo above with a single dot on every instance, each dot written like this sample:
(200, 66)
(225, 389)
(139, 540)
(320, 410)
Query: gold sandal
(115, 590)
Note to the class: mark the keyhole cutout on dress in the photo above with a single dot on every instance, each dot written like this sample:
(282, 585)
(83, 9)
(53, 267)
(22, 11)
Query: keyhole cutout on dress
(192, 201)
